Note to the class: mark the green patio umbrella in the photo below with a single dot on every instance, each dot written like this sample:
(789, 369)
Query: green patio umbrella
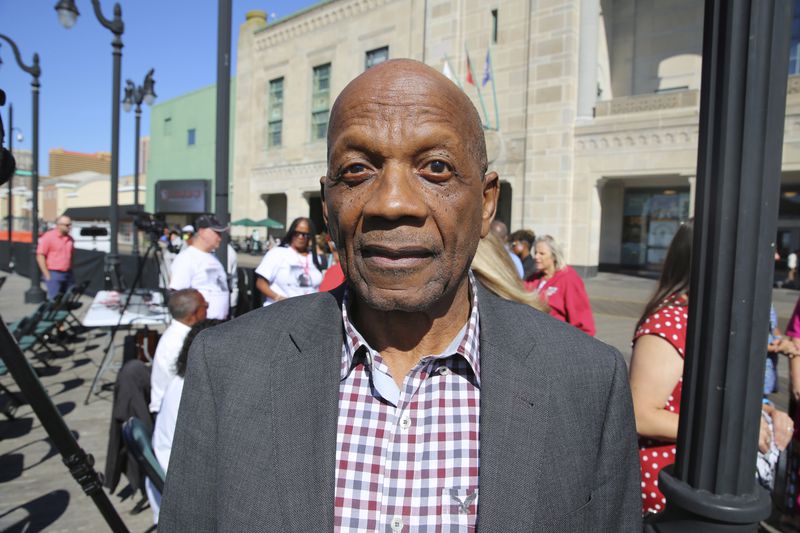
(248, 222)
(268, 223)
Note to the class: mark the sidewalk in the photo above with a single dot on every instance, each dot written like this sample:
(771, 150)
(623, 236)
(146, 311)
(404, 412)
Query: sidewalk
(38, 491)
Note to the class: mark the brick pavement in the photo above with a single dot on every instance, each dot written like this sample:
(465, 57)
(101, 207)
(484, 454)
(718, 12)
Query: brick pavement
(37, 488)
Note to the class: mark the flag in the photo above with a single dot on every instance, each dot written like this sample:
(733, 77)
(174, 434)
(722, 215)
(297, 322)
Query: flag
(487, 70)
(469, 71)
(447, 71)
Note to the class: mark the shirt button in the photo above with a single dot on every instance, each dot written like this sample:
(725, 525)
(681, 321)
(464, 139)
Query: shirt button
(405, 421)
(443, 371)
(397, 524)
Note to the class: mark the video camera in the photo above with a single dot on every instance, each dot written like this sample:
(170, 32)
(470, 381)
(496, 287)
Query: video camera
(148, 223)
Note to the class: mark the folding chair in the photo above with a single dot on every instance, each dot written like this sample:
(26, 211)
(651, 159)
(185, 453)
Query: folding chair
(138, 441)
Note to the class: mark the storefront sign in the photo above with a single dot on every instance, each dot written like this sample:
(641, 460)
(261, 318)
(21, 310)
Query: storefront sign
(182, 196)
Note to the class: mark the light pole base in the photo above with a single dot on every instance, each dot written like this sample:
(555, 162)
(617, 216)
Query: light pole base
(34, 295)
(691, 510)
(111, 273)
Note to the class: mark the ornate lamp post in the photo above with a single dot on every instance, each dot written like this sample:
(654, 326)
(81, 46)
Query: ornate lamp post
(11, 129)
(35, 294)
(68, 15)
(137, 95)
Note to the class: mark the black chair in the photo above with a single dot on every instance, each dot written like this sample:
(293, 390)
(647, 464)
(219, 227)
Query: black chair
(137, 439)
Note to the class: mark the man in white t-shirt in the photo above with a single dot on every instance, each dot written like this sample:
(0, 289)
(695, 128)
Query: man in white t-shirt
(196, 267)
(187, 307)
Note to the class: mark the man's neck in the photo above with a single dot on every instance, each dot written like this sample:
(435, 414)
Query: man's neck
(402, 338)
(200, 247)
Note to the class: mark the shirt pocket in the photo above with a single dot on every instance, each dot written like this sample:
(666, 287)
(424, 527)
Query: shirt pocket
(459, 509)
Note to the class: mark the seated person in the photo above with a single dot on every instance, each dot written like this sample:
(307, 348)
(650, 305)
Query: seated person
(187, 307)
(168, 415)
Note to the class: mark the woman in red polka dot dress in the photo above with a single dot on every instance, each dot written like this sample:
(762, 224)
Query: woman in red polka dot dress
(657, 367)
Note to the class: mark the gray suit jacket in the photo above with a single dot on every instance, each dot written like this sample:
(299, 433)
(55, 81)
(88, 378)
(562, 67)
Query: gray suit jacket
(255, 443)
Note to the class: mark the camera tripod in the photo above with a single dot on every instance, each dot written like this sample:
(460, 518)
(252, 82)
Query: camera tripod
(108, 354)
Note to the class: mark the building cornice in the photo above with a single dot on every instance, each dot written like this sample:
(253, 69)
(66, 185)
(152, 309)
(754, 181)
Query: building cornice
(308, 21)
(315, 168)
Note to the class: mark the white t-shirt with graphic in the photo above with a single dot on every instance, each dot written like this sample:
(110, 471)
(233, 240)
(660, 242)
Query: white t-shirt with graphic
(289, 273)
(196, 269)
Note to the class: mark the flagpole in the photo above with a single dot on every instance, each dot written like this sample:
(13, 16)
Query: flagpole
(450, 69)
(477, 88)
(494, 90)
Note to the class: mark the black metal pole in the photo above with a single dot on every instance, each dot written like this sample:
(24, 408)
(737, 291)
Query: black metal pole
(112, 270)
(79, 463)
(35, 294)
(136, 176)
(712, 486)
(223, 123)
(10, 191)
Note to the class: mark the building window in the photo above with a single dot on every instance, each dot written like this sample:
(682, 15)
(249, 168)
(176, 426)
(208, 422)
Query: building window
(494, 26)
(275, 113)
(794, 51)
(379, 55)
(168, 126)
(650, 218)
(190, 137)
(320, 102)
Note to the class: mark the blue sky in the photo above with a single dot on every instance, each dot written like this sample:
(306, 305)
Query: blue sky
(176, 37)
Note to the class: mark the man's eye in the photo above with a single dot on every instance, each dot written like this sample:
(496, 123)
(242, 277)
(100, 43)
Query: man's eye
(354, 172)
(437, 169)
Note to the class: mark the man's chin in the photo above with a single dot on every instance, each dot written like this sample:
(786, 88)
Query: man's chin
(401, 299)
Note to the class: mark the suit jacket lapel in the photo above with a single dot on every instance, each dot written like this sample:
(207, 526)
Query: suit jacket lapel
(513, 421)
(305, 396)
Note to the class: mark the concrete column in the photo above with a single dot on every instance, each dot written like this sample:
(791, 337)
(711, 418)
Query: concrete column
(692, 187)
(587, 59)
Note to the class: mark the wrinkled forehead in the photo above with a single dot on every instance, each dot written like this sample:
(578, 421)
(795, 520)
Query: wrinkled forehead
(408, 93)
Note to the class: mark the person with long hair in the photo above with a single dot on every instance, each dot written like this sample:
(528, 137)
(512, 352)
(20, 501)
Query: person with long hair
(494, 268)
(164, 429)
(291, 269)
(656, 371)
(558, 285)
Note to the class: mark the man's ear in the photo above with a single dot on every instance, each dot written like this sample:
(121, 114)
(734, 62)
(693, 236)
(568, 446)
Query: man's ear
(491, 195)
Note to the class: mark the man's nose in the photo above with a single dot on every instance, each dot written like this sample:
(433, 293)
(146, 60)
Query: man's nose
(398, 194)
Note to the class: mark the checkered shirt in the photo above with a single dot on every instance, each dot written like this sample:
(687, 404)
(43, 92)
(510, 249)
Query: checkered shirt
(407, 458)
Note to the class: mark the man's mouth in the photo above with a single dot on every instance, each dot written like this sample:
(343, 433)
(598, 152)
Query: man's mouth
(388, 256)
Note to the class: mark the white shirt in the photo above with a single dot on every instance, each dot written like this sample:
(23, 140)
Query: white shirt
(162, 437)
(167, 351)
(196, 269)
(233, 264)
(289, 273)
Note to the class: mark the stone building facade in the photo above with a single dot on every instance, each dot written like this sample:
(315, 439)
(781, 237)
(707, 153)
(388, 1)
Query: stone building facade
(591, 113)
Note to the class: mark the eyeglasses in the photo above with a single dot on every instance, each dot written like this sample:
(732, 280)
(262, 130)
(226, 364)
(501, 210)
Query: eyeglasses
(67, 225)
(302, 234)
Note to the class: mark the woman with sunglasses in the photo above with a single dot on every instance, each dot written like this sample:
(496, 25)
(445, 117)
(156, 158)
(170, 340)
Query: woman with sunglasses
(291, 268)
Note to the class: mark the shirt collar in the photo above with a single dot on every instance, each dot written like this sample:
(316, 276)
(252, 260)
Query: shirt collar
(465, 343)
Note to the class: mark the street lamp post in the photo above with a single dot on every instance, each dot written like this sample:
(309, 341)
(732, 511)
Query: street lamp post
(68, 15)
(11, 129)
(35, 294)
(137, 95)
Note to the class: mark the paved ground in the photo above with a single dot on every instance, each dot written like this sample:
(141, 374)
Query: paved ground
(37, 491)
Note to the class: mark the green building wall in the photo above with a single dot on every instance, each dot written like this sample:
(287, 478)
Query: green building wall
(171, 157)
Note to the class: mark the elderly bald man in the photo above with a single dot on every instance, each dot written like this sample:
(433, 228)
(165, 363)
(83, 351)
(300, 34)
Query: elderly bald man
(412, 399)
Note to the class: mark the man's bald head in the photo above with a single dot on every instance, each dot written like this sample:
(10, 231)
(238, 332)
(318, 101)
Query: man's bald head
(406, 82)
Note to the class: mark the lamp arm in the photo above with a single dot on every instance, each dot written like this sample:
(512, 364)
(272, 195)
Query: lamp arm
(116, 25)
(34, 70)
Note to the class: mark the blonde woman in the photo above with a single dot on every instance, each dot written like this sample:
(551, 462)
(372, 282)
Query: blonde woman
(495, 270)
(560, 286)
